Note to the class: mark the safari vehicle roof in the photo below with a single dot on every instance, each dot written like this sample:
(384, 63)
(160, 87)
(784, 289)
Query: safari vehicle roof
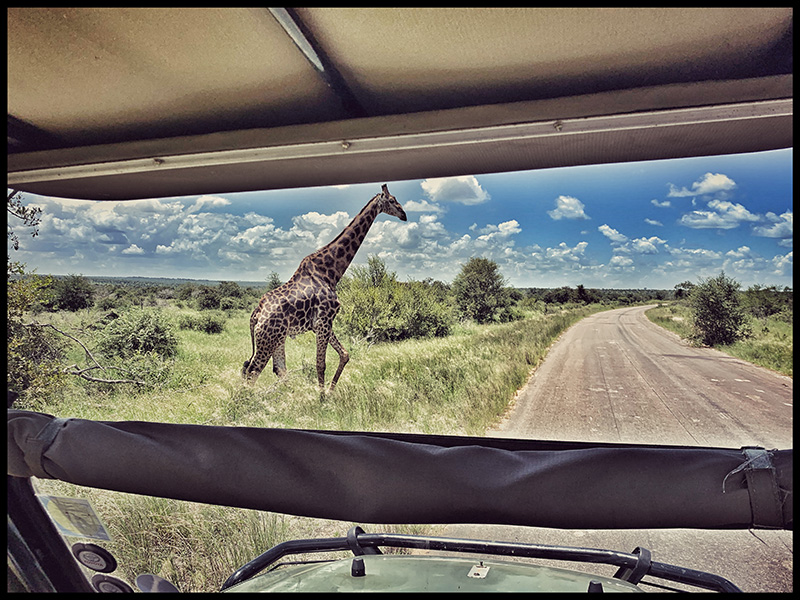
(123, 103)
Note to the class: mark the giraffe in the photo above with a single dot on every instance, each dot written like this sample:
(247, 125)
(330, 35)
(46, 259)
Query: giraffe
(308, 301)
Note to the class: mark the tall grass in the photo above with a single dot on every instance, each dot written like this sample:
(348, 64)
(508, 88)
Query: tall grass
(770, 344)
(460, 384)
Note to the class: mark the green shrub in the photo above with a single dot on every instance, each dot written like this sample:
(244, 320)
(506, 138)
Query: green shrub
(33, 353)
(208, 322)
(378, 308)
(139, 331)
(74, 292)
(717, 315)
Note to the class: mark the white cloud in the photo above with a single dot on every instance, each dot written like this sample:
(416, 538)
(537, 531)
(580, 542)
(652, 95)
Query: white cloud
(421, 206)
(781, 226)
(783, 264)
(564, 253)
(464, 189)
(612, 234)
(133, 249)
(620, 261)
(502, 231)
(709, 183)
(567, 207)
(647, 245)
(654, 222)
(724, 215)
(740, 252)
(664, 204)
(208, 202)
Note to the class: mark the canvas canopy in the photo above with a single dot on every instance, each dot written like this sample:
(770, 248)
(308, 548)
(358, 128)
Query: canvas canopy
(124, 103)
(409, 478)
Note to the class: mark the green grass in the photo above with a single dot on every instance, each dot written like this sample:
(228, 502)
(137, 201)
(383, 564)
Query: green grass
(770, 344)
(461, 384)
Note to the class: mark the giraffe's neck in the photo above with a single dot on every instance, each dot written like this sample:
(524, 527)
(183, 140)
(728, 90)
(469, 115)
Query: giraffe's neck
(332, 261)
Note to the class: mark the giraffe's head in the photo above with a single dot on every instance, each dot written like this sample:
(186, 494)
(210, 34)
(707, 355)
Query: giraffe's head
(389, 204)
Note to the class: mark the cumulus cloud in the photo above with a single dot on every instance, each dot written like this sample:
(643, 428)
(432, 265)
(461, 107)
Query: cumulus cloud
(206, 202)
(664, 204)
(780, 227)
(501, 231)
(654, 222)
(647, 245)
(133, 249)
(464, 189)
(421, 206)
(612, 234)
(568, 207)
(782, 264)
(620, 261)
(723, 215)
(709, 183)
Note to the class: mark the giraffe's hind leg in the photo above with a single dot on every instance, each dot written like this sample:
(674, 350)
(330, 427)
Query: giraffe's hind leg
(279, 359)
(344, 356)
(264, 349)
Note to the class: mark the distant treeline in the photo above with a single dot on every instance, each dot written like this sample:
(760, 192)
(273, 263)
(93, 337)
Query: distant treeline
(581, 294)
(559, 295)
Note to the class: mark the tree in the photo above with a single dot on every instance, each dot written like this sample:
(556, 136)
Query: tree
(29, 215)
(764, 301)
(480, 292)
(683, 289)
(74, 292)
(273, 281)
(717, 315)
(208, 297)
(32, 353)
(230, 288)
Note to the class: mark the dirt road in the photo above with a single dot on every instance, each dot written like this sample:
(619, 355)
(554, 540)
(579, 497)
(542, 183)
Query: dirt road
(617, 377)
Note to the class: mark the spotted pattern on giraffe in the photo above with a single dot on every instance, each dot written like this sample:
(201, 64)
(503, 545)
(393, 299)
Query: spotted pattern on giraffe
(308, 301)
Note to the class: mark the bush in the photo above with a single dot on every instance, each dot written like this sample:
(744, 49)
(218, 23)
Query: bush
(717, 316)
(208, 322)
(139, 331)
(33, 354)
(480, 291)
(208, 297)
(74, 292)
(378, 308)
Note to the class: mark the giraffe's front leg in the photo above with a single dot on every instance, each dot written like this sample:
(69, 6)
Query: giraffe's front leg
(322, 348)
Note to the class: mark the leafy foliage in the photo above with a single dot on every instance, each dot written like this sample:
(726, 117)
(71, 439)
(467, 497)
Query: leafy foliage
(378, 308)
(73, 292)
(207, 322)
(139, 331)
(717, 315)
(765, 301)
(33, 354)
(273, 281)
(480, 292)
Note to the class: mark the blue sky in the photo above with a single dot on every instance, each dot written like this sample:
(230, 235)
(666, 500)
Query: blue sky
(634, 225)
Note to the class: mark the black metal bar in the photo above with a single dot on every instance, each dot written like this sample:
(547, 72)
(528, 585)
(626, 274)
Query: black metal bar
(275, 553)
(589, 555)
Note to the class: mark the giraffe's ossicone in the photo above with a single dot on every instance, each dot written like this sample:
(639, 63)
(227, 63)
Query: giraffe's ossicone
(308, 301)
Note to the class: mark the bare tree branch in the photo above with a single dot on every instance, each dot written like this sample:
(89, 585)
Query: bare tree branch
(74, 339)
(75, 370)
(82, 373)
